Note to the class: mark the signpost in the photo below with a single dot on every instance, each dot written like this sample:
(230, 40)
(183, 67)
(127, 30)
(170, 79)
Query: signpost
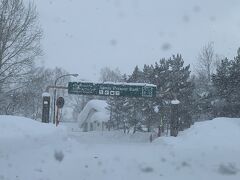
(138, 90)
(113, 89)
(60, 104)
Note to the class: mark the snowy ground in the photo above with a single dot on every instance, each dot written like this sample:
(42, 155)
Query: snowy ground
(30, 150)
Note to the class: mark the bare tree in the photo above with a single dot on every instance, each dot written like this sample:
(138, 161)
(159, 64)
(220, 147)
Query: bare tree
(204, 91)
(27, 100)
(206, 62)
(20, 36)
(108, 74)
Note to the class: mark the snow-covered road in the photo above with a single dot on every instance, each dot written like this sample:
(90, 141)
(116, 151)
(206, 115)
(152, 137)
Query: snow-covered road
(30, 150)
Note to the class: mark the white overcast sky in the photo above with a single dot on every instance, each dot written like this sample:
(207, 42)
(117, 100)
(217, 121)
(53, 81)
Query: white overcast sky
(82, 36)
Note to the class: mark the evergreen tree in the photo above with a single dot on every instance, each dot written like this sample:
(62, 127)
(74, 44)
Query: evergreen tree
(134, 105)
(181, 88)
(227, 83)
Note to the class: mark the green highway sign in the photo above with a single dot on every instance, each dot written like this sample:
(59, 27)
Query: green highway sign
(113, 89)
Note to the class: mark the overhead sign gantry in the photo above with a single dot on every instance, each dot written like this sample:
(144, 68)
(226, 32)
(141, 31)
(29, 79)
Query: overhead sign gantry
(113, 89)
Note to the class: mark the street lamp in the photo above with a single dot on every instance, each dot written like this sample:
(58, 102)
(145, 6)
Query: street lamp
(55, 93)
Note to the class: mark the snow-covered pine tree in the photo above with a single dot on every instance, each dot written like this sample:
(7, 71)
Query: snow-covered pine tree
(161, 79)
(181, 88)
(235, 85)
(227, 83)
(222, 84)
(149, 106)
(134, 105)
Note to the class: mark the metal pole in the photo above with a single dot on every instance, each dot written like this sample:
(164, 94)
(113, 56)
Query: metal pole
(54, 105)
(57, 117)
(55, 94)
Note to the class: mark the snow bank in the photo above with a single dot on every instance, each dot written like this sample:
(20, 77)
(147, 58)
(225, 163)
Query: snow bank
(20, 127)
(208, 150)
(110, 137)
(216, 133)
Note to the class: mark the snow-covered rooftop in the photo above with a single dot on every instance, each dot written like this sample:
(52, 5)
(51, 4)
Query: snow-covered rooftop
(46, 94)
(175, 101)
(101, 114)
